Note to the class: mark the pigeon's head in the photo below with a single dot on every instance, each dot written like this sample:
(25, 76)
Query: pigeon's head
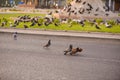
(79, 49)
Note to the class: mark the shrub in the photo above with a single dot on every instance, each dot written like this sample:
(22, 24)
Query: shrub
(69, 21)
(99, 20)
(57, 21)
(40, 21)
(112, 22)
(73, 23)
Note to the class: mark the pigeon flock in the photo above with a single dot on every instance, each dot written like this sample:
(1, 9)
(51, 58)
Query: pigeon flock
(87, 7)
(70, 50)
(77, 8)
(46, 21)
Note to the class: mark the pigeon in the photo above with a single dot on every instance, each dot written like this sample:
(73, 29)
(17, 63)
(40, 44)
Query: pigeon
(106, 8)
(68, 50)
(16, 22)
(90, 6)
(97, 27)
(107, 14)
(89, 12)
(55, 24)
(78, 1)
(48, 44)
(46, 23)
(15, 35)
(96, 14)
(81, 11)
(32, 24)
(82, 23)
(118, 21)
(75, 50)
(39, 24)
(75, 13)
(25, 26)
(69, 9)
(3, 24)
(108, 25)
(69, 5)
(84, 3)
(50, 13)
(72, 11)
(97, 9)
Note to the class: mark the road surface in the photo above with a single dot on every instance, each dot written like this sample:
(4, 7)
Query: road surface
(26, 59)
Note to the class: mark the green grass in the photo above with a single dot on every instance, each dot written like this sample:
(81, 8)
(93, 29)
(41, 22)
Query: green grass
(119, 14)
(19, 14)
(65, 27)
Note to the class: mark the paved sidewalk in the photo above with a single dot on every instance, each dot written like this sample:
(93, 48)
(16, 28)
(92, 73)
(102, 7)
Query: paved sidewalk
(64, 33)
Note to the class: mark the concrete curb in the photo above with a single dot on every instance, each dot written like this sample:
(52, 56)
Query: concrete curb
(96, 35)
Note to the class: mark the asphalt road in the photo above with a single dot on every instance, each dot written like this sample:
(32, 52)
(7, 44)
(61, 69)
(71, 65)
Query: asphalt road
(26, 59)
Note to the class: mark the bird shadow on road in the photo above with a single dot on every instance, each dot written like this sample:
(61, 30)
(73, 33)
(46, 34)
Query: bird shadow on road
(46, 48)
(76, 55)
